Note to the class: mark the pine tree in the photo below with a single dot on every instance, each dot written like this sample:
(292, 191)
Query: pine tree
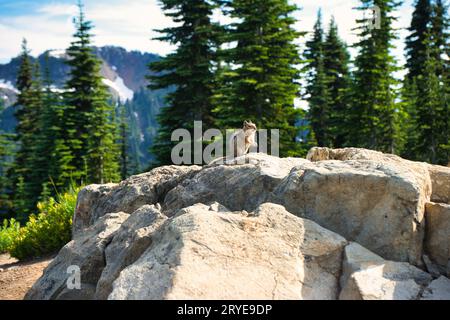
(21, 201)
(189, 70)
(426, 87)
(374, 110)
(319, 99)
(409, 101)
(439, 35)
(24, 126)
(89, 130)
(432, 112)
(28, 110)
(261, 70)
(123, 134)
(34, 180)
(336, 63)
(328, 85)
(415, 46)
(6, 155)
(51, 163)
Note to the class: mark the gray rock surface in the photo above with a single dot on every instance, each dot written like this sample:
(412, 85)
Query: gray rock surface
(367, 276)
(128, 196)
(437, 240)
(439, 289)
(267, 254)
(439, 175)
(131, 240)
(86, 252)
(236, 186)
(349, 224)
(379, 205)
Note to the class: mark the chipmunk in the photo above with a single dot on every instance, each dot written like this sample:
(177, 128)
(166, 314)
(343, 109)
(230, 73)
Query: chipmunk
(242, 140)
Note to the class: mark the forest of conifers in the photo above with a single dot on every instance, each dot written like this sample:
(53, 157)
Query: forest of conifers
(251, 68)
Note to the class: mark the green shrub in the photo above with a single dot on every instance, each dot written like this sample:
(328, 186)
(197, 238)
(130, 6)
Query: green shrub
(8, 232)
(49, 230)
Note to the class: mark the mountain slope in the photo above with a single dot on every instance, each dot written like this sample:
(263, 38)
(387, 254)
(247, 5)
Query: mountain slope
(124, 73)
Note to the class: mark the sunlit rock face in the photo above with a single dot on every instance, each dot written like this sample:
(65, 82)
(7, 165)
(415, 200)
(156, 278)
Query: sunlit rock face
(342, 224)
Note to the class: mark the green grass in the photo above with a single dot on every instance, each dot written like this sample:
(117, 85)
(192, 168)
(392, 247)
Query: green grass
(46, 232)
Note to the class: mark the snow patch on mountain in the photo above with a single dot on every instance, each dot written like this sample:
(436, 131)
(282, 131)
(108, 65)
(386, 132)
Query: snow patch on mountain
(7, 85)
(119, 86)
(57, 53)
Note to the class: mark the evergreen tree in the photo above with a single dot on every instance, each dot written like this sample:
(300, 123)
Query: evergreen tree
(336, 63)
(89, 130)
(426, 87)
(415, 46)
(28, 110)
(6, 154)
(439, 36)
(123, 134)
(52, 161)
(319, 99)
(374, 112)
(328, 85)
(433, 143)
(315, 48)
(21, 201)
(262, 70)
(189, 70)
(409, 101)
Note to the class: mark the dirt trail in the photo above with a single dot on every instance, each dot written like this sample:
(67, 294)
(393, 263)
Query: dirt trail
(16, 278)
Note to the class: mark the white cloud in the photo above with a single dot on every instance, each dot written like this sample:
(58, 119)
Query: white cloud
(58, 9)
(130, 24)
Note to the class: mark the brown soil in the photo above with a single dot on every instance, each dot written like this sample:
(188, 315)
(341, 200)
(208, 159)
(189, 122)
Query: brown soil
(16, 278)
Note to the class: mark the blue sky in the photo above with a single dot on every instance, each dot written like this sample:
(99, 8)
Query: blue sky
(47, 24)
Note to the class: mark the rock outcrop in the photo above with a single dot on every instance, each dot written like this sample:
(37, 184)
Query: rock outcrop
(437, 241)
(439, 175)
(236, 186)
(379, 205)
(367, 276)
(342, 224)
(128, 196)
(266, 254)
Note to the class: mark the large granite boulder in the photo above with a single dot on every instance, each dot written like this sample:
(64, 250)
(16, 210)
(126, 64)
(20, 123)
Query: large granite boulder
(261, 227)
(240, 184)
(266, 254)
(86, 253)
(439, 175)
(379, 205)
(128, 196)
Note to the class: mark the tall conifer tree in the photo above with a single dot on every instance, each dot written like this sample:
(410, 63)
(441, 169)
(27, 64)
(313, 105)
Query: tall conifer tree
(189, 70)
(415, 41)
(336, 63)
(28, 110)
(262, 70)
(6, 157)
(88, 127)
(374, 112)
(426, 86)
(319, 99)
(433, 143)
